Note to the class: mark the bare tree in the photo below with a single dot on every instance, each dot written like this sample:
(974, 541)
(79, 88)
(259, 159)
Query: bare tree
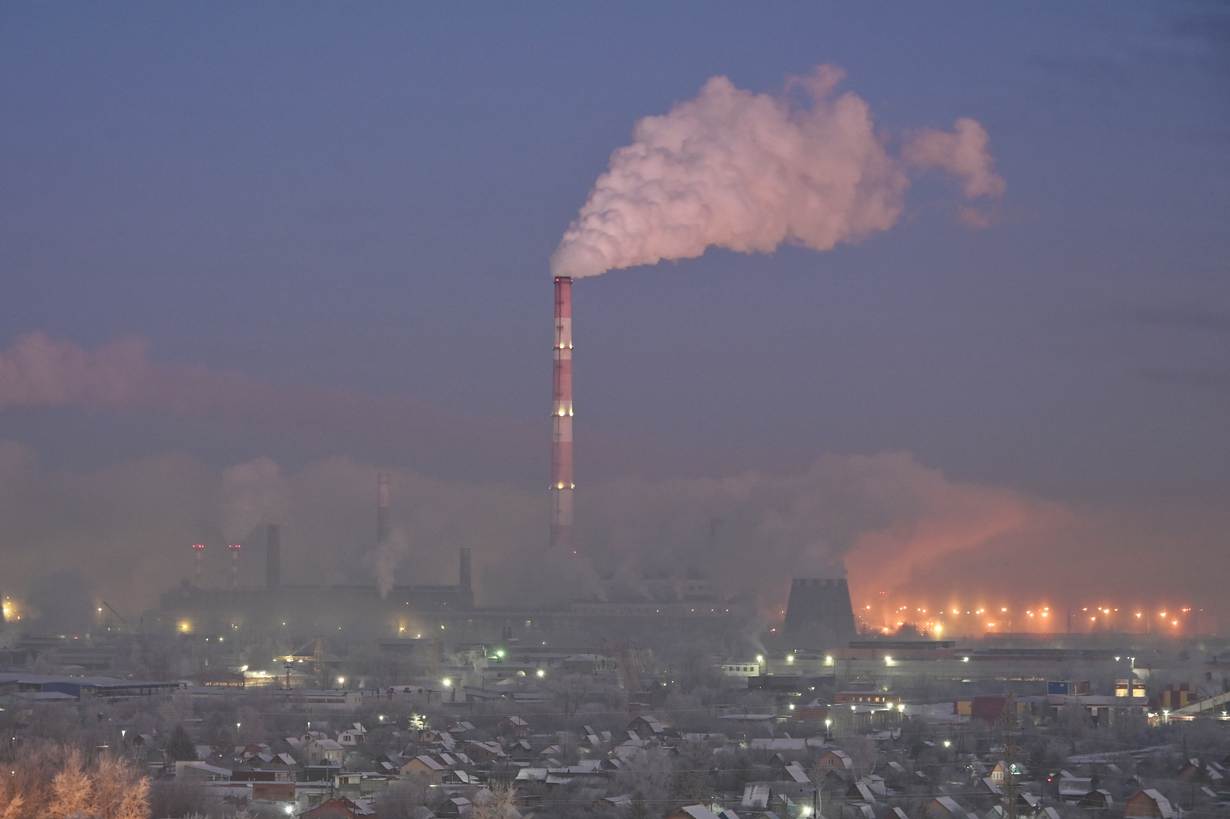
(400, 800)
(50, 780)
(71, 789)
(498, 802)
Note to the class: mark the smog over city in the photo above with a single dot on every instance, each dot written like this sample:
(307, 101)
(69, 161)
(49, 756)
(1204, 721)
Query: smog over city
(651, 411)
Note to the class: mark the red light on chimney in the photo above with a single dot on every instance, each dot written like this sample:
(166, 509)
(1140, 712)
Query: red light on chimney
(198, 547)
(235, 547)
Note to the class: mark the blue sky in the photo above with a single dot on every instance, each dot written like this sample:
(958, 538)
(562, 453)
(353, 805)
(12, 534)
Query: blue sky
(365, 198)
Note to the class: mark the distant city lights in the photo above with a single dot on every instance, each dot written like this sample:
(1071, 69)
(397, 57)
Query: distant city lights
(955, 619)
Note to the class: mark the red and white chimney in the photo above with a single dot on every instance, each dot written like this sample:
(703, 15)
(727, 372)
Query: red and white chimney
(234, 549)
(562, 484)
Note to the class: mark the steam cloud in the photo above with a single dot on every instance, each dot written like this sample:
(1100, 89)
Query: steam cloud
(387, 557)
(894, 522)
(748, 172)
(39, 371)
(253, 494)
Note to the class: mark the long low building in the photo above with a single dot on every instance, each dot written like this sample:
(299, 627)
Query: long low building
(82, 687)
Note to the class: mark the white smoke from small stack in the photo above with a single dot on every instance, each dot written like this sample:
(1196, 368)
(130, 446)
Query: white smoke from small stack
(389, 553)
(749, 172)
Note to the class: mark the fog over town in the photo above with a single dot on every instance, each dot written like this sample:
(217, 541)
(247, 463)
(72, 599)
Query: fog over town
(636, 412)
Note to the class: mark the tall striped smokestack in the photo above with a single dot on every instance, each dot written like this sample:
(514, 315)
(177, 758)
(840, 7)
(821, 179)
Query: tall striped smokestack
(562, 484)
(382, 508)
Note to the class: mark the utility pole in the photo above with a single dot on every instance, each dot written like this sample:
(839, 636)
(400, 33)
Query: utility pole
(1009, 768)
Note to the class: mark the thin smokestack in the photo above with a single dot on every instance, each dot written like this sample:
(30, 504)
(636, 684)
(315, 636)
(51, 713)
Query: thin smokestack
(382, 508)
(465, 569)
(562, 484)
(273, 556)
(198, 565)
(234, 549)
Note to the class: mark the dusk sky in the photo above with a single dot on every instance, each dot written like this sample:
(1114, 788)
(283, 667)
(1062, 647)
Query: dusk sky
(360, 204)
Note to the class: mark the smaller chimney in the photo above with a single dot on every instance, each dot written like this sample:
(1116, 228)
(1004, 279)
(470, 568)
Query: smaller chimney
(273, 556)
(198, 564)
(464, 577)
(234, 549)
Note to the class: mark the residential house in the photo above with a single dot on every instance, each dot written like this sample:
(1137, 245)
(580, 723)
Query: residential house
(692, 812)
(1148, 803)
(647, 727)
(353, 736)
(340, 808)
(425, 765)
(456, 806)
(514, 727)
(945, 807)
(834, 760)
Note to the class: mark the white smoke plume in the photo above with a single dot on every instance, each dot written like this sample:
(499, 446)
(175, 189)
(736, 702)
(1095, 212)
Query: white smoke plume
(964, 152)
(253, 493)
(387, 557)
(749, 172)
(896, 524)
(40, 371)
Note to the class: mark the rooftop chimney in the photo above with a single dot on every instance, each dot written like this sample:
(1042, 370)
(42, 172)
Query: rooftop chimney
(273, 556)
(562, 484)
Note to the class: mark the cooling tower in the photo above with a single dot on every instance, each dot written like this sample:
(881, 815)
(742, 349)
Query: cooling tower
(819, 613)
(562, 485)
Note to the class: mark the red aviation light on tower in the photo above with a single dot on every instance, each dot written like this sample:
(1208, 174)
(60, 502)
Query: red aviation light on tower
(562, 484)
(234, 549)
(198, 559)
